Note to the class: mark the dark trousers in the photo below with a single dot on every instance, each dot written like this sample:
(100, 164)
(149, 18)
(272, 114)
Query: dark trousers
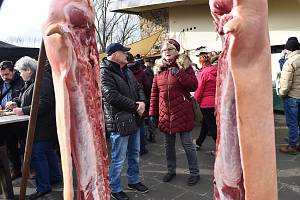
(14, 154)
(190, 152)
(12, 135)
(208, 125)
(45, 163)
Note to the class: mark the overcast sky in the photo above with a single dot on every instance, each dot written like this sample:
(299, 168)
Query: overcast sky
(22, 18)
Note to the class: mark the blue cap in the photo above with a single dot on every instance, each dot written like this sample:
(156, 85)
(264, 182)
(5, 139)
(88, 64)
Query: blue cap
(114, 47)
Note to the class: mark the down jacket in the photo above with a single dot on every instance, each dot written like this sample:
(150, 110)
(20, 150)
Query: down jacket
(205, 93)
(17, 84)
(170, 99)
(120, 92)
(290, 76)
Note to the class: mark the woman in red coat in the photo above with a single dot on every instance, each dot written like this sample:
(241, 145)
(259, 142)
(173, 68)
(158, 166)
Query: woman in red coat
(170, 101)
(205, 96)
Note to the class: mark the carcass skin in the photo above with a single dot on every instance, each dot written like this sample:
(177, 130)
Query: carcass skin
(70, 43)
(245, 166)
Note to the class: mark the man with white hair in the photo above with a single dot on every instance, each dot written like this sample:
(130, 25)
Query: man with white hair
(122, 94)
(44, 159)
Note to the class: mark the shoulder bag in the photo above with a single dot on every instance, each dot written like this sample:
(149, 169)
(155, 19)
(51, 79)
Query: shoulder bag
(126, 123)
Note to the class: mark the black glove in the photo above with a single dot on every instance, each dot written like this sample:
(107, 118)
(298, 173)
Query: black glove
(153, 121)
(174, 70)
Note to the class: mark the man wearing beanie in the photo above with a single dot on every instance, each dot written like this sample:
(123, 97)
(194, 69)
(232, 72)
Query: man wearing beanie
(290, 91)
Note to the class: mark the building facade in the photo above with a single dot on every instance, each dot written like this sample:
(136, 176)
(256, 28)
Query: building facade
(190, 21)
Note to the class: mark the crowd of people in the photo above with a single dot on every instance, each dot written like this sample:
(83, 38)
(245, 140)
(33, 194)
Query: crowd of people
(16, 88)
(139, 95)
(157, 94)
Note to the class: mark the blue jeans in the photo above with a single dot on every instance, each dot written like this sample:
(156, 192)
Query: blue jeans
(45, 163)
(120, 148)
(292, 115)
(142, 137)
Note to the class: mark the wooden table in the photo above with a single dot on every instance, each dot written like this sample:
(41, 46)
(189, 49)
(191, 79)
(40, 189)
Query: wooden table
(6, 185)
(13, 118)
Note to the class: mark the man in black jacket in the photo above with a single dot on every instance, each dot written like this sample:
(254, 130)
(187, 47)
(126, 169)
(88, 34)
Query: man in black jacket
(122, 92)
(10, 83)
(10, 87)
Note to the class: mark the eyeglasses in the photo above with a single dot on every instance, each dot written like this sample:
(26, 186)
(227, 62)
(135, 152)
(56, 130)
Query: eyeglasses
(166, 50)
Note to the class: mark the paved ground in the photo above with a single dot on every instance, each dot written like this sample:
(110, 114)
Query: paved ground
(153, 167)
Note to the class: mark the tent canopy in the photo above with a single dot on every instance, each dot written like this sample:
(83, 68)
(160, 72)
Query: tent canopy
(142, 47)
(13, 53)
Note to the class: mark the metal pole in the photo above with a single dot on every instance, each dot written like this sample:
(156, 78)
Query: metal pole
(32, 120)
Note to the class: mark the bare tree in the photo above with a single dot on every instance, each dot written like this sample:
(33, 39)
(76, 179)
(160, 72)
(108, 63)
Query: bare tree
(128, 27)
(113, 26)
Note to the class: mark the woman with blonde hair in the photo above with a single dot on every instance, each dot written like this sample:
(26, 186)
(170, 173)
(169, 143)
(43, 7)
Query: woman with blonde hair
(171, 103)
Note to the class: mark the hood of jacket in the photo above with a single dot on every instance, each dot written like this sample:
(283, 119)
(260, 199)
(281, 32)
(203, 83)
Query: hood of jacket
(182, 61)
(210, 69)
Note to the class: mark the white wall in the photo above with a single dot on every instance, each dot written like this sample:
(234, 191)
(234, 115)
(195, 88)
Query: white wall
(284, 22)
(189, 17)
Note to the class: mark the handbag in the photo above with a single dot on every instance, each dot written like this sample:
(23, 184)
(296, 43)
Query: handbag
(126, 123)
(197, 112)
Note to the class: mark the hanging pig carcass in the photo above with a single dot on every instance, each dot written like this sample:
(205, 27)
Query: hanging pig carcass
(70, 43)
(245, 166)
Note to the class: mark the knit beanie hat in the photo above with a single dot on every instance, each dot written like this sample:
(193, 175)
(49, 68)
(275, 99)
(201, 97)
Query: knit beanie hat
(292, 44)
(175, 43)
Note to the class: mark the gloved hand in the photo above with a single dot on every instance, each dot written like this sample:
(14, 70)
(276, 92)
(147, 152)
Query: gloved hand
(154, 121)
(174, 70)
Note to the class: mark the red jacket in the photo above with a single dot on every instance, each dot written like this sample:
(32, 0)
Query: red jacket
(170, 100)
(205, 93)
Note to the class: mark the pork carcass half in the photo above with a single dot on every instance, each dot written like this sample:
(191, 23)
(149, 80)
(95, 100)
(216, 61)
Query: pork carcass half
(70, 43)
(245, 165)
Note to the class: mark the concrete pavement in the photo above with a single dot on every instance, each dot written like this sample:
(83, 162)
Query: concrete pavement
(153, 167)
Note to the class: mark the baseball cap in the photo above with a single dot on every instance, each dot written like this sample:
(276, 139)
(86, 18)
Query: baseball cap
(114, 47)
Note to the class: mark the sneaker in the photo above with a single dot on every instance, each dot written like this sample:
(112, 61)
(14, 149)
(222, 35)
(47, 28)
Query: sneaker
(37, 195)
(193, 180)
(138, 187)
(288, 149)
(119, 195)
(168, 177)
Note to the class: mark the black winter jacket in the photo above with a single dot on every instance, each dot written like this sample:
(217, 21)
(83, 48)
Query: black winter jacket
(46, 124)
(119, 92)
(17, 84)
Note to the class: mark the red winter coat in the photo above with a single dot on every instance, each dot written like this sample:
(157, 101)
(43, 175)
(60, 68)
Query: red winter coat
(170, 100)
(206, 91)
